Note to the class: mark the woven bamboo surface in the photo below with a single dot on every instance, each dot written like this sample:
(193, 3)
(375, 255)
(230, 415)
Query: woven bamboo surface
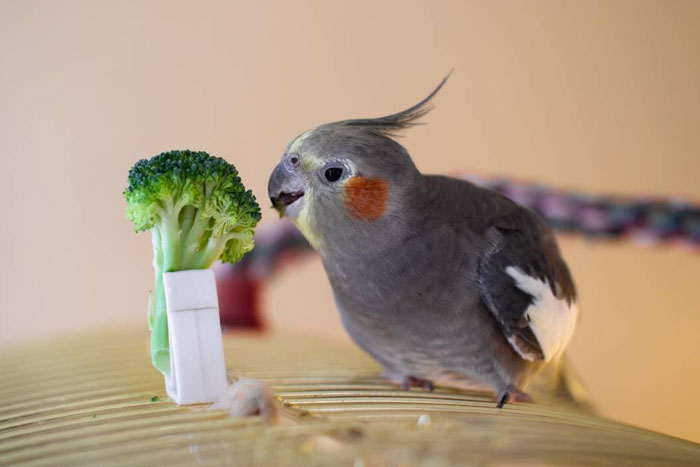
(95, 400)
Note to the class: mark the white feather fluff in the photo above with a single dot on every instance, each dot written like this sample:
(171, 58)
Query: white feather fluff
(552, 319)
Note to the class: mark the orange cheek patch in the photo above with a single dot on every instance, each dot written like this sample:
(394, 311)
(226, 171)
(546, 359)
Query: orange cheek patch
(365, 198)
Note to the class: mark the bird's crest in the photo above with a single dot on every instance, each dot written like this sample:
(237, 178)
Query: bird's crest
(391, 125)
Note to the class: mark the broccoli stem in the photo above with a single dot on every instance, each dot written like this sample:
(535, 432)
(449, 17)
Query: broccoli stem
(170, 235)
(160, 344)
(153, 297)
(169, 255)
(213, 249)
(176, 239)
(188, 214)
(191, 240)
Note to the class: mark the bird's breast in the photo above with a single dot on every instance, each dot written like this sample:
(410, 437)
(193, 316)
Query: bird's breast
(408, 282)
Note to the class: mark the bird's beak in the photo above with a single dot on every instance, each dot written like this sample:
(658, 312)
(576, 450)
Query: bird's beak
(286, 190)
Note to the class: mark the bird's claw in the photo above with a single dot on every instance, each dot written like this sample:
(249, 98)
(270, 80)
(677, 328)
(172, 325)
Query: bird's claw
(509, 395)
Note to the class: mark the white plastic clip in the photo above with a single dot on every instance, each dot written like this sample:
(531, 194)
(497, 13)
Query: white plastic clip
(197, 366)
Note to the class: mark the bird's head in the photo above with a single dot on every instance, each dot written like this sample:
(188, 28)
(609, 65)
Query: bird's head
(346, 180)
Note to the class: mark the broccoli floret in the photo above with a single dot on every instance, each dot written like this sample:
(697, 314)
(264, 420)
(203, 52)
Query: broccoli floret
(198, 211)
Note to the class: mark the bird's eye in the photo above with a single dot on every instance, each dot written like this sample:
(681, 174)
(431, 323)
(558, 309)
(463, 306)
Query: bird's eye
(333, 174)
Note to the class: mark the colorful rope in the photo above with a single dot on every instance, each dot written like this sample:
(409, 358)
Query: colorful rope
(643, 219)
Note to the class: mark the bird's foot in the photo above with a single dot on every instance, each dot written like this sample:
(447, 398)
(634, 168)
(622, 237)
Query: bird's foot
(511, 394)
(406, 382)
(410, 381)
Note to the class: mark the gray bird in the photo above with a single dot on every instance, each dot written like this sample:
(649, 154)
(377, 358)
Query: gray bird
(439, 280)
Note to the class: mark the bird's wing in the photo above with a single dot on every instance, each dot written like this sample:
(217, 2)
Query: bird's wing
(527, 286)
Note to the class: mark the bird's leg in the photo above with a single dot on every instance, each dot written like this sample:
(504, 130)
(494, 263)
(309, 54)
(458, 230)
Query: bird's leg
(406, 382)
(511, 394)
(409, 381)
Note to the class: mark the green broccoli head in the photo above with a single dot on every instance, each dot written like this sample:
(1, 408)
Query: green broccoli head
(198, 198)
(198, 211)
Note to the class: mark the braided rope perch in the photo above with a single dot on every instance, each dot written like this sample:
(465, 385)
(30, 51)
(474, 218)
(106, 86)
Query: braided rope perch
(645, 220)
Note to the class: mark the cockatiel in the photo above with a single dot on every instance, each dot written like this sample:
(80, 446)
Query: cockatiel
(439, 280)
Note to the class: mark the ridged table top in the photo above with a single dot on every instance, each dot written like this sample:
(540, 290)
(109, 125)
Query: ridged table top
(94, 399)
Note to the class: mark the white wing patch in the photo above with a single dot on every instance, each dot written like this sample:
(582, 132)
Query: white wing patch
(552, 319)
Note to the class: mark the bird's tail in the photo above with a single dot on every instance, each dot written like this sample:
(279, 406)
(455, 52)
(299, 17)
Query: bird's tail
(560, 382)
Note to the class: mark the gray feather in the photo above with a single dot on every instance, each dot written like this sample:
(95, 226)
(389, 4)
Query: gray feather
(391, 125)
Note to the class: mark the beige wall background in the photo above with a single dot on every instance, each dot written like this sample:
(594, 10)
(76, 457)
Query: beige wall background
(602, 96)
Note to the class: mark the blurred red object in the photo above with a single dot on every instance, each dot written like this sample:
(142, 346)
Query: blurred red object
(239, 298)
(240, 285)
